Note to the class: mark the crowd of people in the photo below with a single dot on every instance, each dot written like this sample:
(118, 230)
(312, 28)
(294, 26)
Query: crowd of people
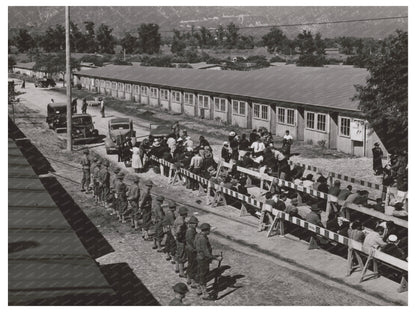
(169, 228)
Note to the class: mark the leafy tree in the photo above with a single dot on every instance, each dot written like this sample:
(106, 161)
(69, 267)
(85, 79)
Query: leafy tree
(275, 40)
(24, 41)
(129, 43)
(54, 39)
(95, 59)
(232, 35)
(311, 49)
(220, 35)
(178, 43)
(105, 39)
(384, 98)
(76, 38)
(149, 38)
(88, 44)
(205, 38)
(53, 64)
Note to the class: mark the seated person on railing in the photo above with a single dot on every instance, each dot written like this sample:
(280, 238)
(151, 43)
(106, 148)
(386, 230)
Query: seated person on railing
(392, 248)
(247, 161)
(378, 206)
(356, 231)
(234, 148)
(203, 142)
(208, 159)
(243, 145)
(268, 158)
(359, 198)
(338, 225)
(374, 240)
(258, 148)
(241, 186)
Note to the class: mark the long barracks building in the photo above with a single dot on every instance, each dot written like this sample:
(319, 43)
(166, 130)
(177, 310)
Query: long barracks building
(314, 104)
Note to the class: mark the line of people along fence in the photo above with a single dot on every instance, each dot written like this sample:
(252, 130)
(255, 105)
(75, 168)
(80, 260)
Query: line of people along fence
(280, 217)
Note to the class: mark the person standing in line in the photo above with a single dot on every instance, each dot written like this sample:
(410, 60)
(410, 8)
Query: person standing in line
(170, 244)
(180, 290)
(133, 199)
(111, 196)
(179, 231)
(104, 178)
(23, 84)
(136, 162)
(96, 174)
(158, 215)
(84, 106)
(86, 174)
(204, 258)
(102, 107)
(145, 205)
(287, 143)
(377, 159)
(121, 197)
(191, 269)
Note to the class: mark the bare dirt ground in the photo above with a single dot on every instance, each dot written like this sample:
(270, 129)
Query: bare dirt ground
(248, 278)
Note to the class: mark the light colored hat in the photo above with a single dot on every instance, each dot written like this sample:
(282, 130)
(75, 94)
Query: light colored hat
(225, 143)
(232, 133)
(392, 238)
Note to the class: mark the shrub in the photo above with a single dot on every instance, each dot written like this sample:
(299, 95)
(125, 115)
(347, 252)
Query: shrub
(277, 59)
(322, 143)
(78, 86)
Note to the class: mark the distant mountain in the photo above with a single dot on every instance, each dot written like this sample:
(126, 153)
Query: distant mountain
(123, 19)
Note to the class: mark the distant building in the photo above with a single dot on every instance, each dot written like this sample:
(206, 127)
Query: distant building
(314, 104)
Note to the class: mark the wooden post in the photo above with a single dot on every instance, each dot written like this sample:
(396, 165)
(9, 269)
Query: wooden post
(403, 284)
(170, 174)
(353, 255)
(367, 264)
(68, 83)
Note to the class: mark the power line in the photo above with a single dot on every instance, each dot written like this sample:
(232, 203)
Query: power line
(312, 23)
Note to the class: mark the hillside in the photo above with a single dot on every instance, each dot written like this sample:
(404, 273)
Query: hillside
(123, 19)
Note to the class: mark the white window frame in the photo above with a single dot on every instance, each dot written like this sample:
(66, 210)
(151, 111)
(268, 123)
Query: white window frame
(144, 90)
(114, 85)
(108, 84)
(164, 94)
(120, 86)
(261, 111)
(294, 117)
(186, 97)
(278, 115)
(240, 105)
(176, 96)
(218, 104)
(340, 127)
(154, 92)
(203, 101)
(102, 83)
(127, 87)
(286, 116)
(136, 89)
(315, 121)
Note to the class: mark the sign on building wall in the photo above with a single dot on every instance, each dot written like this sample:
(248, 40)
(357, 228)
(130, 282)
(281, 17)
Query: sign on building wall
(357, 130)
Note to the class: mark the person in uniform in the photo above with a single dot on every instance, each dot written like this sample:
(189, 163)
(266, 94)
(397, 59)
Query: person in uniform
(133, 199)
(92, 169)
(104, 180)
(377, 159)
(191, 270)
(121, 197)
(145, 205)
(179, 231)
(86, 174)
(180, 290)
(204, 257)
(170, 244)
(111, 196)
(84, 106)
(96, 188)
(158, 214)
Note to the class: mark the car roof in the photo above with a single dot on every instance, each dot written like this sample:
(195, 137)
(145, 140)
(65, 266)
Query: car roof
(56, 105)
(81, 115)
(119, 120)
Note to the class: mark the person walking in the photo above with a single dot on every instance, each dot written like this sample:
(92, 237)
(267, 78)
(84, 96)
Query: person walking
(104, 180)
(23, 84)
(102, 107)
(191, 269)
(179, 231)
(86, 174)
(180, 290)
(204, 257)
(377, 159)
(145, 205)
(84, 106)
(74, 105)
(133, 199)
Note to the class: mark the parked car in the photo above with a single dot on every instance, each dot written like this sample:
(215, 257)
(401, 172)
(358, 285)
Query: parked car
(119, 127)
(56, 116)
(45, 82)
(83, 130)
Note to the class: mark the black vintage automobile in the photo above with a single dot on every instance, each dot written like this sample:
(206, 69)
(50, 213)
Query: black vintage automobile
(45, 82)
(56, 117)
(83, 129)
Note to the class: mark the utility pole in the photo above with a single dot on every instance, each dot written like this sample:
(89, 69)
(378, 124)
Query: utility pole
(68, 84)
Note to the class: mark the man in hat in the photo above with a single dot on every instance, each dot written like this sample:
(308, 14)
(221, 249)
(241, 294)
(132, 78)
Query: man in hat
(96, 174)
(133, 199)
(85, 163)
(104, 183)
(191, 269)
(170, 244)
(179, 232)
(121, 197)
(392, 247)
(158, 214)
(314, 216)
(180, 290)
(377, 159)
(145, 205)
(204, 257)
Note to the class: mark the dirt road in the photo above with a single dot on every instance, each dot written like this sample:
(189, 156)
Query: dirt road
(250, 277)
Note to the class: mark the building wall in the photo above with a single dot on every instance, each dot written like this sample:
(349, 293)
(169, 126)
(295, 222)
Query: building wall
(189, 109)
(315, 136)
(164, 104)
